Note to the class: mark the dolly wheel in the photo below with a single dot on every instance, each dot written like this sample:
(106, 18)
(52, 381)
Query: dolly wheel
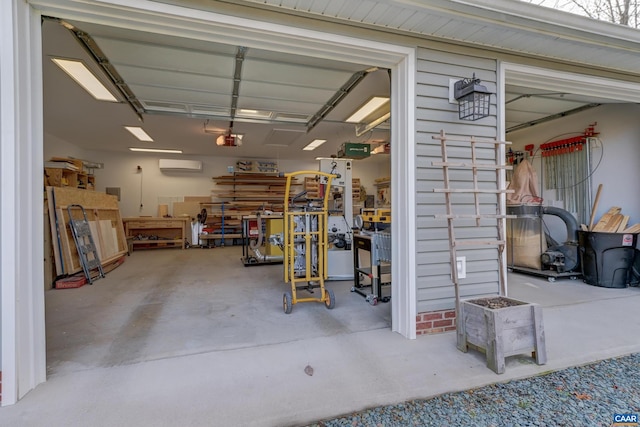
(287, 304)
(329, 299)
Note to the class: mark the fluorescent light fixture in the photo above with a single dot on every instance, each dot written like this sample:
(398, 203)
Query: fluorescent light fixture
(156, 150)
(362, 128)
(367, 109)
(314, 144)
(139, 133)
(255, 114)
(85, 78)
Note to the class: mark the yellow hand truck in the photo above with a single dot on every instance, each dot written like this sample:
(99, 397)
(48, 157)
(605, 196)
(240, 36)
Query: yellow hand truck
(305, 240)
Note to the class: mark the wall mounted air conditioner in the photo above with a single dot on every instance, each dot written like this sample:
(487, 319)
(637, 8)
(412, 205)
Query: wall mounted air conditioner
(180, 165)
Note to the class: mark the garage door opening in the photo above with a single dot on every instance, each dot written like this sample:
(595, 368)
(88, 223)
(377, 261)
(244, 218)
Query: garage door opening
(590, 121)
(164, 303)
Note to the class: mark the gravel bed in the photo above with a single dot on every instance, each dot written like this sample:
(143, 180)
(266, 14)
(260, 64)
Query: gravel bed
(581, 396)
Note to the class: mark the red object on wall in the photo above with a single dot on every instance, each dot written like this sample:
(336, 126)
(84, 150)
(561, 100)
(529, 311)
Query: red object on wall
(568, 145)
(529, 148)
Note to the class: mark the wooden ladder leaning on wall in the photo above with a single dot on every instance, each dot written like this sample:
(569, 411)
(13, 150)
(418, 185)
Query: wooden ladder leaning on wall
(500, 215)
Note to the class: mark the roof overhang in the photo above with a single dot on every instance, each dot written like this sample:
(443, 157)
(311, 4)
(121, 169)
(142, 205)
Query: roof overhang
(503, 25)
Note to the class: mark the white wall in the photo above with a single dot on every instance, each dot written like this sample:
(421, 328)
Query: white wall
(140, 190)
(56, 147)
(120, 170)
(619, 170)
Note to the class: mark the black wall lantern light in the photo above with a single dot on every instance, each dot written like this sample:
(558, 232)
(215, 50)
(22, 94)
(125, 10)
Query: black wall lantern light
(473, 99)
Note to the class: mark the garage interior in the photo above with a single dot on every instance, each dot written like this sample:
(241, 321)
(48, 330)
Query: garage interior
(168, 302)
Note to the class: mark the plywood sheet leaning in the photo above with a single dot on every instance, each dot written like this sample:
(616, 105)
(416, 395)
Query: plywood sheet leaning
(104, 219)
(199, 199)
(187, 209)
(105, 238)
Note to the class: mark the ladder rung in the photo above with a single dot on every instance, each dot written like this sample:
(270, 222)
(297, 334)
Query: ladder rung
(469, 140)
(473, 216)
(478, 242)
(472, 165)
(471, 190)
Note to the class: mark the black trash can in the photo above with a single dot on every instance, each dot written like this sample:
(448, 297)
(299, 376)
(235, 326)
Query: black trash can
(635, 268)
(607, 258)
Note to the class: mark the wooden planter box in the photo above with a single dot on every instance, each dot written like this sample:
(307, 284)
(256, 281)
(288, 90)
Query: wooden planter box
(501, 327)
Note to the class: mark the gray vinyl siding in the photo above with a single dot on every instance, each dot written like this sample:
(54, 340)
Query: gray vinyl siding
(434, 113)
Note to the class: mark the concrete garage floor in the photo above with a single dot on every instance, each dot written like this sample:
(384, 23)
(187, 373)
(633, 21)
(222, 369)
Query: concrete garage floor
(167, 303)
(172, 339)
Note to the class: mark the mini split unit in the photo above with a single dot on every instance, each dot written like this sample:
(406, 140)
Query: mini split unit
(180, 165)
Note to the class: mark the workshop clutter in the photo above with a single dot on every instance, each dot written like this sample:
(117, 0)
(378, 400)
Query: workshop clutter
(613, 221)
(609, 249)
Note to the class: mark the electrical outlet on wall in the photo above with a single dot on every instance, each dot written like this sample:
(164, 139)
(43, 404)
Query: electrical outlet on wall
(461, 264)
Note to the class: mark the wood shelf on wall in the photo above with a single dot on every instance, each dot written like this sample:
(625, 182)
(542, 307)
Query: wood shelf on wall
(65, 172)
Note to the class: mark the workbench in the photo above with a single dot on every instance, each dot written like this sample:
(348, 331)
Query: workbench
(149, 232)
(378, 267)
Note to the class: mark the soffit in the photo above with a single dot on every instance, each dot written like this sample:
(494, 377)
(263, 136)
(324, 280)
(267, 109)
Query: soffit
(505, 25)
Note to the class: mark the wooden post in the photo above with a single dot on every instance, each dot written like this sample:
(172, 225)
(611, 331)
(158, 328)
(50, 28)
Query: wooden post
(538, 332)
(495, 349)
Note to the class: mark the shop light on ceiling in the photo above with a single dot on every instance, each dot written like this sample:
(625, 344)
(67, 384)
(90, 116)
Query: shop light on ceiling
(314, 144)
(370, 107)
(139, 133)
(79, 72)
(156, 150)
(256, 114)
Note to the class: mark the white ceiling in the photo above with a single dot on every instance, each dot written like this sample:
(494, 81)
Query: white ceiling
(186, 85)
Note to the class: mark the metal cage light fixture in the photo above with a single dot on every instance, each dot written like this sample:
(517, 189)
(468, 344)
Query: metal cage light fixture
(473, 99)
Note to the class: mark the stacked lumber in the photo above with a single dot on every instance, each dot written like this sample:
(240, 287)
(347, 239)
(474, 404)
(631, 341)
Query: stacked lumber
(251, 187)
(613, 221)
(635, 228)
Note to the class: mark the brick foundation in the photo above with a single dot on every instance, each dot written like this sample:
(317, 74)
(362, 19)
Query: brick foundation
(435, 322)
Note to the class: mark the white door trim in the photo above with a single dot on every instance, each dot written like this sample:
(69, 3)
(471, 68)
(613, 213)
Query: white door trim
(164, 18)
(22, 348)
